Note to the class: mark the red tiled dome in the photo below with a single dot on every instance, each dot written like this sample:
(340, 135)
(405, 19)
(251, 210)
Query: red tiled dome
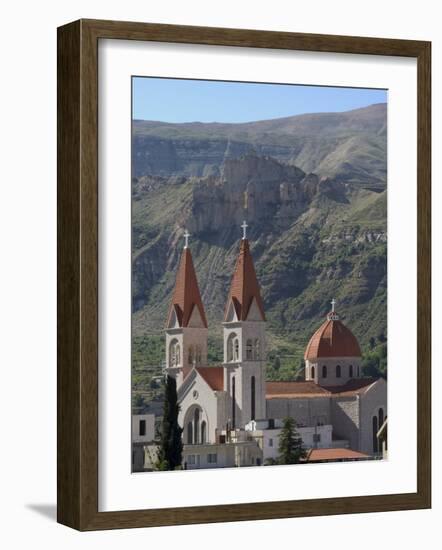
(332, 339)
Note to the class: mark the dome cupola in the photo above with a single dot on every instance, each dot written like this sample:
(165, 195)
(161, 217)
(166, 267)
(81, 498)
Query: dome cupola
(332, 339)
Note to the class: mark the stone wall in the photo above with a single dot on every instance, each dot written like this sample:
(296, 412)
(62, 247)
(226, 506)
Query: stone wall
(306, 411)
(345, 419)
(371, 401)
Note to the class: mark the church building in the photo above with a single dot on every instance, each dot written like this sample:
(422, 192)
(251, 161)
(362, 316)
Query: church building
(230, 414)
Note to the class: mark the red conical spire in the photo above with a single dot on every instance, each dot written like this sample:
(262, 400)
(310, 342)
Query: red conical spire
(244, 288)
(186, 295)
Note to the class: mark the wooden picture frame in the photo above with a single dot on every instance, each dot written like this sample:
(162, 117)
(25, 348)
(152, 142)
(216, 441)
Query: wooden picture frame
(77, 461)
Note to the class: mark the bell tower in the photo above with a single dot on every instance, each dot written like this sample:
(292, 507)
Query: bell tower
(186, 326)
(244, 342)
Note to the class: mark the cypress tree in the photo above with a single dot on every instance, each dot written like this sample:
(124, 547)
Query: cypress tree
(171, 446)
(290, 447)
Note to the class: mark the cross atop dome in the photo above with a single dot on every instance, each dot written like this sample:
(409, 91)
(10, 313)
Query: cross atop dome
(332, 339)
(333, 316)
(244, 229)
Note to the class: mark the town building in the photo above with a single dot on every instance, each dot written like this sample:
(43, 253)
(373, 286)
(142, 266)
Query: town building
(143, 434)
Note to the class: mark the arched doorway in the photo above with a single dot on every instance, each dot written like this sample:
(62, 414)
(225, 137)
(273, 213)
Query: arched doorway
(189, 433)
(196, 426)
(375, 432)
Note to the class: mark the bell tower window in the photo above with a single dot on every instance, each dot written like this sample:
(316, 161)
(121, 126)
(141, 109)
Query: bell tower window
(233, 348)
(249, 350)
(338, 371)
(257, 349)
(198, 355)
(324, 372)
(174, 353)
(191, 355)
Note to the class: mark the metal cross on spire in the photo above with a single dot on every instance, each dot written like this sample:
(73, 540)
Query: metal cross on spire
(333, 302)
(186, 238)
(244, 229)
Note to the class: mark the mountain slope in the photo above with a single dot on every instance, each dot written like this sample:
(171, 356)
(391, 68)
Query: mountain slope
(350, 146)
(311, 238)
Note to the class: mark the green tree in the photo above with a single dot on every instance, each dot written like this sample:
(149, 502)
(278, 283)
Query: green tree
(171, 446)
(138, 402)
(290, 447)
(277, 363)
(153, 385)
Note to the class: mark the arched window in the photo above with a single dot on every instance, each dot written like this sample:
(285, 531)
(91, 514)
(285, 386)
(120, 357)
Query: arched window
(236, 349)
(203, 431)
(249, 349)
(350, 371)
(312, 372)
(198, 355)
(174, 353)
(324, 371)
(196, 426)
(252, 389)
(375, 431)
(257, 349)
(189, 433)
(338, 371)
(233, 402)
(380, 417)
(232, 348)
(191, 356)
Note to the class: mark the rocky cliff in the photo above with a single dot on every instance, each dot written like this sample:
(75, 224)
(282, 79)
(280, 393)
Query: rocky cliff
(312, 238)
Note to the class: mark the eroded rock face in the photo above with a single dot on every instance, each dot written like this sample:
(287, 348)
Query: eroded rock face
(259, 186)
(184, 157)
(308, 241)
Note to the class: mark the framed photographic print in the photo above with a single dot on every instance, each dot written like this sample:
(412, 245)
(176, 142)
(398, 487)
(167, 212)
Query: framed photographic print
(243, 275)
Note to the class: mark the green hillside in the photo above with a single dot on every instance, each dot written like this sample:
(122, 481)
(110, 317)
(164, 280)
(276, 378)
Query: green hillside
(312, 238)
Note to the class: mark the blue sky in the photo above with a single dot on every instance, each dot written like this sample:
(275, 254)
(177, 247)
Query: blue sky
(174, 100)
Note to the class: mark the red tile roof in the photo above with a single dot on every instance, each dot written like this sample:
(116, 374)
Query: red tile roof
(355, 386)
(214, 376)
(186, 294)
(299, 390)
(316, 455)
(332, 339)
(244, 287)
(286, 390)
